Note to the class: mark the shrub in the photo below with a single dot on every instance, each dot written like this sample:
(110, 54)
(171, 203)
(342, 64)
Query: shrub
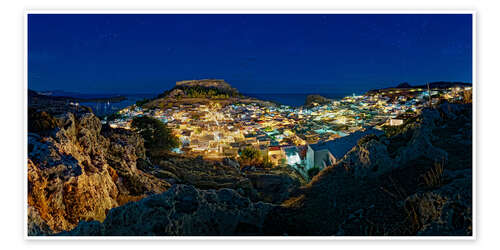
(250, 155)
(366, 139)
(434, 177)
(282, 162)
(266, 163)
(196, 116)
(140, 103)
(467, 96)
(114, 116)
(313, 172)
(205, 92)
(392, 130)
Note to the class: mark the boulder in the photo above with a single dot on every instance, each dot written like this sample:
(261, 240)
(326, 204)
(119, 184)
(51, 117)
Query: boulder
(448, 209)
(368, 159)
(232, 163)
(273, 188)
(182, 210)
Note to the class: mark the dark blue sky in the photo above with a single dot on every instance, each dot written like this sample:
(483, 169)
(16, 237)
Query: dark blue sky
(254, 53)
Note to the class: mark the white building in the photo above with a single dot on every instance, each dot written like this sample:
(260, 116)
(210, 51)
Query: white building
(395, 122)
(328, 153)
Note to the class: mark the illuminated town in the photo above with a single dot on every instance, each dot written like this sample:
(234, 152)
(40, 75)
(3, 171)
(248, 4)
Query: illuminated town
(286, 134)
(255, 123)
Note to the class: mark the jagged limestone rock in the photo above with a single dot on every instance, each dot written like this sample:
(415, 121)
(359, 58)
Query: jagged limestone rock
(182, 210)
(74, 176)
(448, 209)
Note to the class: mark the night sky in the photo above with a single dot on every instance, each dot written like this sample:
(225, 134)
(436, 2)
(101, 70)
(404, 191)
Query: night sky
(254, 53)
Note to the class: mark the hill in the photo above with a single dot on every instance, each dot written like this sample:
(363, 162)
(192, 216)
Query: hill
(202, 92)
(207, 83)
(206, 88)
(312, 100)
(432, 85)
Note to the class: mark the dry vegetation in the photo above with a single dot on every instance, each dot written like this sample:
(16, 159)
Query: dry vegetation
(434, 177)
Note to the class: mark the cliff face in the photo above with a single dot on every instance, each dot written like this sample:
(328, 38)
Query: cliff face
(78, 172)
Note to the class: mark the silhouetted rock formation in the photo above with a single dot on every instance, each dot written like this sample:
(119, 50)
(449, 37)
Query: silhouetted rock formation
(269, 185)
(182, 210)
(312, 100)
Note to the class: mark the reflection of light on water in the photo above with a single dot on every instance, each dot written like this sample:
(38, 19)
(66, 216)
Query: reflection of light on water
(106, 108)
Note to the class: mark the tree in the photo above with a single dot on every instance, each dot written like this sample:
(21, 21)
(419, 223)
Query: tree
(266, 163)
(140, 103)
(196, 116)
(157, 137)
(250, 155)
(282, 162)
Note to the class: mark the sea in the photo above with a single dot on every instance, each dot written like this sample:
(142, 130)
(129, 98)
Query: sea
(295, 99)
(107, 108)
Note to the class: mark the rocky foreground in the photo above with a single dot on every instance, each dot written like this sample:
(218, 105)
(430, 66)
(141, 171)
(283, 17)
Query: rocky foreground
(416, 182)
(79, 170)
(182, 210)
(85, 178)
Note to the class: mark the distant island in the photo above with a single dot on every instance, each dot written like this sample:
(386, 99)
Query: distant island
(431, 85)
(58, 104)
(50, 96)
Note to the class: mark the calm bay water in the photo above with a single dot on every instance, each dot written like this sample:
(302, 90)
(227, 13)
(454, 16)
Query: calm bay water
(107, 108)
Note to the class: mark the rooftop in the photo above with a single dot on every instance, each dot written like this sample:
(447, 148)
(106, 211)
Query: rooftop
(339, 147)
